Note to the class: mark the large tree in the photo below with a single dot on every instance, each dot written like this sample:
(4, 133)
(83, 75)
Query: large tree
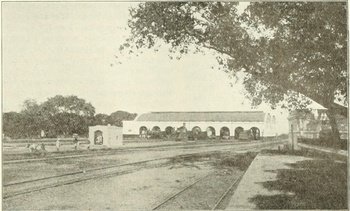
(101, 119)
(59, 115)
(117, 118)
(12, 125)
(31, 121)
(288, 53)
(66, 115)
(67, 104)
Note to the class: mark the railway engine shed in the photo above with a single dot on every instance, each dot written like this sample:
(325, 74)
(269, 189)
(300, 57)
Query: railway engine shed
(233, 124)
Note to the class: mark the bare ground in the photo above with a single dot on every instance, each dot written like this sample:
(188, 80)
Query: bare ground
(140, 190)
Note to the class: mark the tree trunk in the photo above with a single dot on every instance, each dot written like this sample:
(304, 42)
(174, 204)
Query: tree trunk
(333, 123)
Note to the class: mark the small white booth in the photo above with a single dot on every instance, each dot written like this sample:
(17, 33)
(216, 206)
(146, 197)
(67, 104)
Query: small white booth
(109, 136)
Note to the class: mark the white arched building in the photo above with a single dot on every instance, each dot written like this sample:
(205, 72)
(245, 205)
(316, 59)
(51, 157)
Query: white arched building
(214, 123)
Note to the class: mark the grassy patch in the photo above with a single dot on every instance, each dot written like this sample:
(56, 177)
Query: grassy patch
(306, 153)
(218, 159)
(195, 157)
(240, 161)
(319, 183)
(28, 155)
(326, 142)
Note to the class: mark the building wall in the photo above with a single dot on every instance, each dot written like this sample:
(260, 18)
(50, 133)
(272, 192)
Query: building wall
(270, 126)
(115, 137)
(112, 135)
(133, 127)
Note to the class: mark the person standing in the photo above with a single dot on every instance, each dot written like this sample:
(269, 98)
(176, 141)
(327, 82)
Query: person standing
(75, 141)
(58, 144)
(43, 149)
(42, 134)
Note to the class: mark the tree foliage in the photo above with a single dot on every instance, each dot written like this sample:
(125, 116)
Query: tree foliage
(58, 116)
(287, 52)
(12, 124)
(101, 119)
(308, 51)
(67, 104)
(117, 118)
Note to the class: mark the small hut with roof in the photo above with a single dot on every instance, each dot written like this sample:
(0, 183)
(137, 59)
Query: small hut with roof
(106, 135)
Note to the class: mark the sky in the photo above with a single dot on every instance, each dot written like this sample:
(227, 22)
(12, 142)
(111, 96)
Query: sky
(69, 48)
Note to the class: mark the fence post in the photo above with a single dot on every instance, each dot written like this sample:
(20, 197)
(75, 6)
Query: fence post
(292, 135)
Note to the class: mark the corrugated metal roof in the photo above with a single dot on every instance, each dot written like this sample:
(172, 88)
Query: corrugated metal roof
(232, 116)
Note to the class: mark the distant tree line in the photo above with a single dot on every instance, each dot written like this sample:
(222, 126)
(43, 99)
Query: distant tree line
(58, 116)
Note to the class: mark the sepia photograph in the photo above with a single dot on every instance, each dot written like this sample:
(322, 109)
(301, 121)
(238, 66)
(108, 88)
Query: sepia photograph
(166, 105)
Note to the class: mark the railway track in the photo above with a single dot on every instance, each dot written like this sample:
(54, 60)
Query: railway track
(179, 192)
(28, 186)
(115, 151)
(214, 202)
(226, 193)
(205, 195)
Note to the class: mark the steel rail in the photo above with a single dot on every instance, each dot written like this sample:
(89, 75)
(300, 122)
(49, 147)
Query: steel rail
(119, 165)
(72, 181)
(123, 150)
(226, 192)
(222, 196)
(87, 170)
(182, 190)
(102, 175)
(83, 172)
